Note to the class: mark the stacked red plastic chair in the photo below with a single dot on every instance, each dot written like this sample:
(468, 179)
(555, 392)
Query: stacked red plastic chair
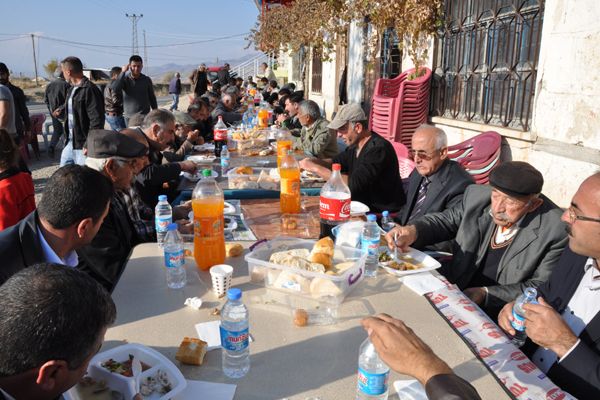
(478, 155)
(399, 106)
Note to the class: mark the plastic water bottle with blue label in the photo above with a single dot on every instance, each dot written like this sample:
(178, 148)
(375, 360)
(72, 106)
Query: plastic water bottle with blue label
(163, 216)
(518, 323)
(387, 224)
(235, 335)
(224, 160)
(174, 258)
(373, 374)
(369, 242)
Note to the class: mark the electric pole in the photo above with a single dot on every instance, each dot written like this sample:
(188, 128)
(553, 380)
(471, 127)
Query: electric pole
(145, 51)
(134, 37)
(34, 59)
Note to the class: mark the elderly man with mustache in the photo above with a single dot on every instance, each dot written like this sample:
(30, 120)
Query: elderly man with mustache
(506, 236)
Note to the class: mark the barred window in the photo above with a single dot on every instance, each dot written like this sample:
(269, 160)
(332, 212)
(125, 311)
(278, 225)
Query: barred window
(391, 55)
(486, 61)
(317, 72)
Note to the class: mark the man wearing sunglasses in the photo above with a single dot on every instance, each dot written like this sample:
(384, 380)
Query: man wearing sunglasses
(564, 327)
(369, 163)
(506, 236)
(436, 183)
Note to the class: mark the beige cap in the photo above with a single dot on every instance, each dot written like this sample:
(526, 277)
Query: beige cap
(347, 113)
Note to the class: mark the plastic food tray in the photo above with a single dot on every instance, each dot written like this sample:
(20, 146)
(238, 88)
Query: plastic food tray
(126, 385)
(330, 289)
(239, 181)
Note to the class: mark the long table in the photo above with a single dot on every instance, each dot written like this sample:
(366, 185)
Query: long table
(286, 361)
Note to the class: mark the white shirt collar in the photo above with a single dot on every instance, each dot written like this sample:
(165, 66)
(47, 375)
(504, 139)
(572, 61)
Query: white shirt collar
(593, 280)
(71, 260)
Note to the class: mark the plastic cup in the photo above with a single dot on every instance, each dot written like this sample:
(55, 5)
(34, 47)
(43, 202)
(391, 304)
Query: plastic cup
(221, 276)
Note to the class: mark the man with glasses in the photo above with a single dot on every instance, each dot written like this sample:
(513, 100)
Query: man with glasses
(369, 163)
(117, 157)
(506, 236)
(436, 183)
(564, 328)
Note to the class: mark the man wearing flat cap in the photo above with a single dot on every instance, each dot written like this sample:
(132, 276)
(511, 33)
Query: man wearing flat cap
(117, 157)
(369, 163)
(506, 236)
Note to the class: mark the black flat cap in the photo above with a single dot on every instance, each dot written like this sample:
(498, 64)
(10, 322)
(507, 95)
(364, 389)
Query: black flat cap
(517, 178)
(103, 143)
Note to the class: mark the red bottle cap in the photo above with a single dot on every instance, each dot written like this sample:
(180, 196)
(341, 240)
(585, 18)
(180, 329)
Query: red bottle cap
(336, 167)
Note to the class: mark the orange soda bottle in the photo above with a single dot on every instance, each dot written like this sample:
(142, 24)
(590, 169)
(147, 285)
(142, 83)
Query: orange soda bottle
(284, 144)
(263, 118)
(209, 237)
(289, 173)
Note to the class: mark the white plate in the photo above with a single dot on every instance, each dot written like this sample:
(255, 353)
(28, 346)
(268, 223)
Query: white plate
(202, 159)
(428, 262)
(357, 208)
(198, 175)
(126, 385)
(204, 147)
(310, 177)
(230, 224)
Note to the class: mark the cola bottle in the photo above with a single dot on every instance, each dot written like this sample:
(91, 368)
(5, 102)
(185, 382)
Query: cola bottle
(334, 202)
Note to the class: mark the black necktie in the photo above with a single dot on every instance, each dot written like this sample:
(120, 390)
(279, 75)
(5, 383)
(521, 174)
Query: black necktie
(420, 198)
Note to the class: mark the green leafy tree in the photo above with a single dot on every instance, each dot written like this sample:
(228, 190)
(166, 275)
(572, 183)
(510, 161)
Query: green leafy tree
(50, 67)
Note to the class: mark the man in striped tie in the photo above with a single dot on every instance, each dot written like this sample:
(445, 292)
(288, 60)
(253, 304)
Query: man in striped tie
(505, 236)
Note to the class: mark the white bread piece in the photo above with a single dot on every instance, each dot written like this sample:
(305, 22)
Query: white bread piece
(320, 287)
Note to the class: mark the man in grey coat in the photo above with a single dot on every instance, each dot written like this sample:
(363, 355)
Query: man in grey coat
(507, 236)
(316, 139)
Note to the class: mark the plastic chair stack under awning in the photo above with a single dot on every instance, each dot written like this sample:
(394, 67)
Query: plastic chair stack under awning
(399, 106)
(478, 155)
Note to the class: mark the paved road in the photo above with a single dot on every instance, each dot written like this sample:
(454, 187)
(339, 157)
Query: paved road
(35, 108)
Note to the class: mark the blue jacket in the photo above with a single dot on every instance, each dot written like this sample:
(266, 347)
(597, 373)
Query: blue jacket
(175, 86)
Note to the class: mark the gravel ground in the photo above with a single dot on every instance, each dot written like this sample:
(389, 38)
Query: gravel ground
(43, 168)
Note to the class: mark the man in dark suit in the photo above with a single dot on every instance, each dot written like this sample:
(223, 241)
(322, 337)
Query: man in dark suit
(73, 206)
(404, 352)
(507, 236)
(52, 322)
(116, 156)
(436, 183)
(564, 327)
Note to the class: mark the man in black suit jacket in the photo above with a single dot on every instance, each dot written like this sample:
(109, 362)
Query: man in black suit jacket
(69, 215)
(565, 326)
(445, 180)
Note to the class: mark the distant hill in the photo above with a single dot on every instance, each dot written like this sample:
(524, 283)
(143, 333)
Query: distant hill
(157, 72)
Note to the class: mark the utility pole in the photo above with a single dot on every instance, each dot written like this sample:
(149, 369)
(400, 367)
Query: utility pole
(34, 59)
(134, 37)
(145, 51)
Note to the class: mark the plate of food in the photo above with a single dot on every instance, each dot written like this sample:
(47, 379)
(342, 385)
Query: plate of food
(357, 208)
(411, 262)
(198, 175)
(110, 375)
(308, 176)
(205, 147)
(202, 158)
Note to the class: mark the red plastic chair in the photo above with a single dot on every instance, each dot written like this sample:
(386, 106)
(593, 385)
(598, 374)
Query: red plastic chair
(478, 149)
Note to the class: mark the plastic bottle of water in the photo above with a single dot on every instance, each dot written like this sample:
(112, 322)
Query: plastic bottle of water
(369, 243)
(224, 159)
(174, 258)
(234, 335)
(373, 374)
(163, 216)
(518, 323)
(387, 223)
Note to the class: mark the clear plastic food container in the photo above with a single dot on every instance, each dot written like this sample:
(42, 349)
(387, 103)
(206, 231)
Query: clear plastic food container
(327, 289)
(261, 178)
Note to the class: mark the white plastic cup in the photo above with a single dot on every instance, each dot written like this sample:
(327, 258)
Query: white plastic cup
(221, 276)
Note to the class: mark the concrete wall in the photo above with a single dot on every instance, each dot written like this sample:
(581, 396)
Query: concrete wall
(356, 67)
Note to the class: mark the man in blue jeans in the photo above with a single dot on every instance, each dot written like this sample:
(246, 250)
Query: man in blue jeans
(175, 90)
(113, 102)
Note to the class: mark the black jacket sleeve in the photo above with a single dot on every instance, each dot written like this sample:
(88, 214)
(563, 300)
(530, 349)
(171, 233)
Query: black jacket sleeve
(158, 174)
(450, 387)
(95, 107)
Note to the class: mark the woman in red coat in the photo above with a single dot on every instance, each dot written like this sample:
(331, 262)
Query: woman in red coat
(17, 197)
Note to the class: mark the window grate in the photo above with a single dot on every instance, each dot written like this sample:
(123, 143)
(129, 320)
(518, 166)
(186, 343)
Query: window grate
(317, 72)
(486, 61)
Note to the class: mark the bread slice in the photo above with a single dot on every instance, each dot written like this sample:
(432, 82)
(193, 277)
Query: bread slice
(325, 246)
(322, 258)
(191, 351)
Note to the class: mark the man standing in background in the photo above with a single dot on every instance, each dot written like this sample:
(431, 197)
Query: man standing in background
(138, 92)
(113, 102)
(175, 90)
(55, 97)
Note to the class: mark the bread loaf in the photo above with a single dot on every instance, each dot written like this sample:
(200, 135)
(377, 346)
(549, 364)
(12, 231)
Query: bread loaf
(322, 253)
(191, 351)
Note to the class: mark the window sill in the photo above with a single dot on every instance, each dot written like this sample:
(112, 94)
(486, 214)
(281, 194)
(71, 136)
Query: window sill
(477, 127)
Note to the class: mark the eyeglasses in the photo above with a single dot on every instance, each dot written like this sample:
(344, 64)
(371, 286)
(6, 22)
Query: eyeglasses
(573, 217)
(423, 155)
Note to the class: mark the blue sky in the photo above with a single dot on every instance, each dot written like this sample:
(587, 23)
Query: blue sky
(103, 22)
